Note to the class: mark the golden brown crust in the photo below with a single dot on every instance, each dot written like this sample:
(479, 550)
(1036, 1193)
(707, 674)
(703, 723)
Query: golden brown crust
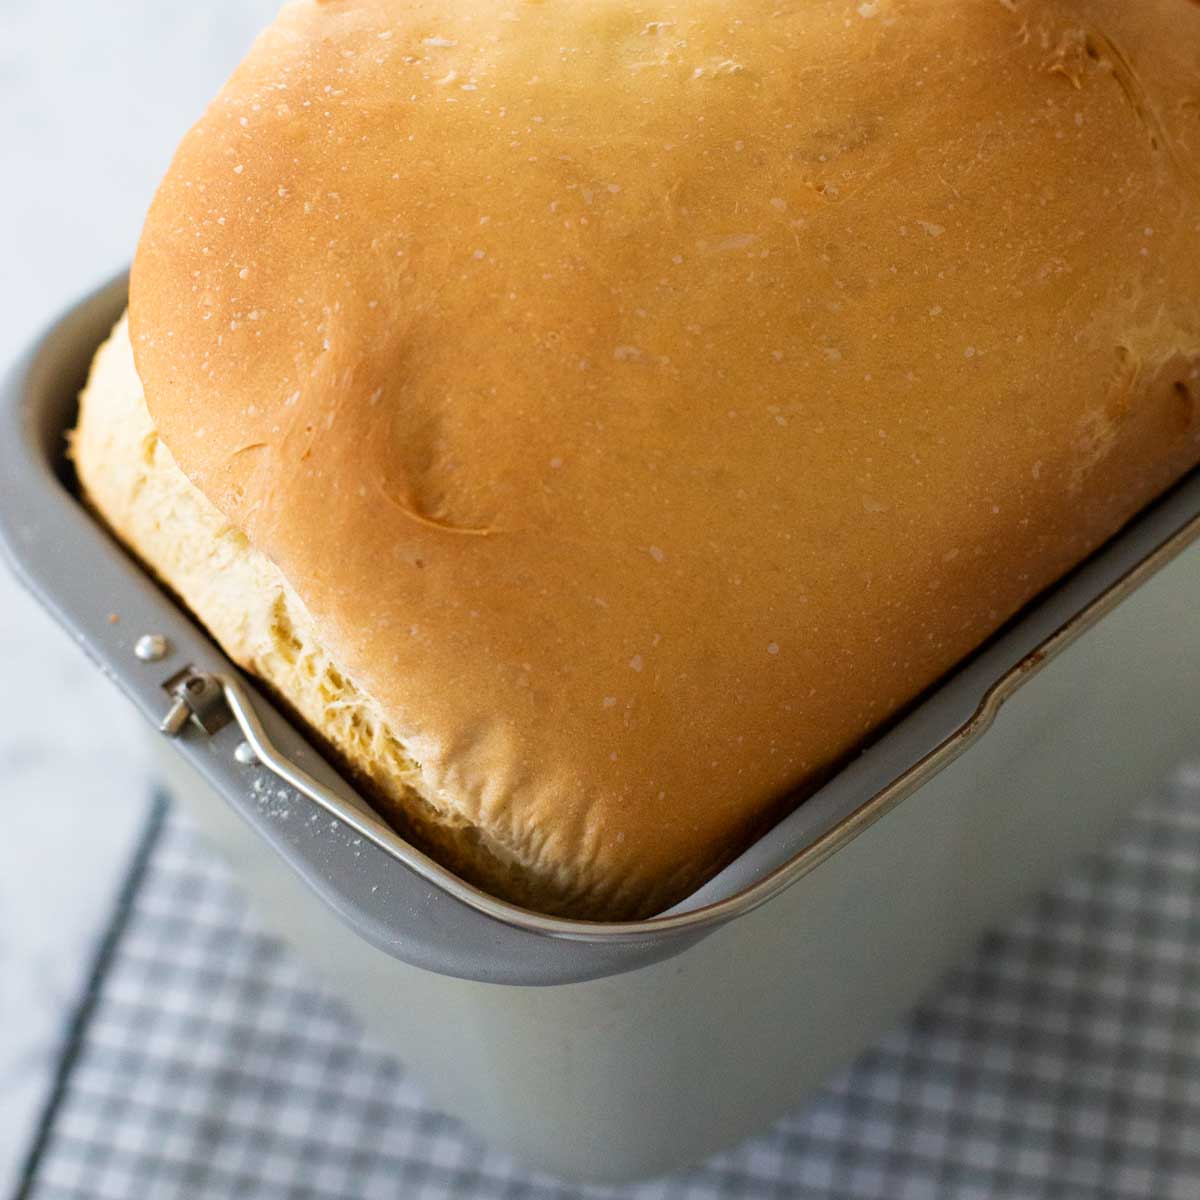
(647, 403)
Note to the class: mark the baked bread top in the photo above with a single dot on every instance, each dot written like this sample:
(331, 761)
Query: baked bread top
(648, 402)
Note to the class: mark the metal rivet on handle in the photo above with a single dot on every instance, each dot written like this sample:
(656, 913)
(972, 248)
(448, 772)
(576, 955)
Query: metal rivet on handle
(245, 754)
(151, 647)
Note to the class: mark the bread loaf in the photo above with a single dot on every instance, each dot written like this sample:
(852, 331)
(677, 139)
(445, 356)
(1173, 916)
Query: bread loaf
(597, 419)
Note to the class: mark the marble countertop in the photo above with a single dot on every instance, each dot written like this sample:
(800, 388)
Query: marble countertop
(93, 99)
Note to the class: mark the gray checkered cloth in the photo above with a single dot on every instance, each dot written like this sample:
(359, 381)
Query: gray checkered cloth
(1063, 1061)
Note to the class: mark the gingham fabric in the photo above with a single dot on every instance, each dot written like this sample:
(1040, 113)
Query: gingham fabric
(1063, 1061)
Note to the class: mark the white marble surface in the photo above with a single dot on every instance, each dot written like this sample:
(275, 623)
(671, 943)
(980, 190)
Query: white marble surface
(93, 98)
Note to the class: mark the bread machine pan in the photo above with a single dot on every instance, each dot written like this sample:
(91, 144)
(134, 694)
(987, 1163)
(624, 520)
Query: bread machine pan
(656, 1042)
(652, 1043)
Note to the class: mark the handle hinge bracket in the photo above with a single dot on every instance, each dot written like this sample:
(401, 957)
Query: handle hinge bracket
(195, 696)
